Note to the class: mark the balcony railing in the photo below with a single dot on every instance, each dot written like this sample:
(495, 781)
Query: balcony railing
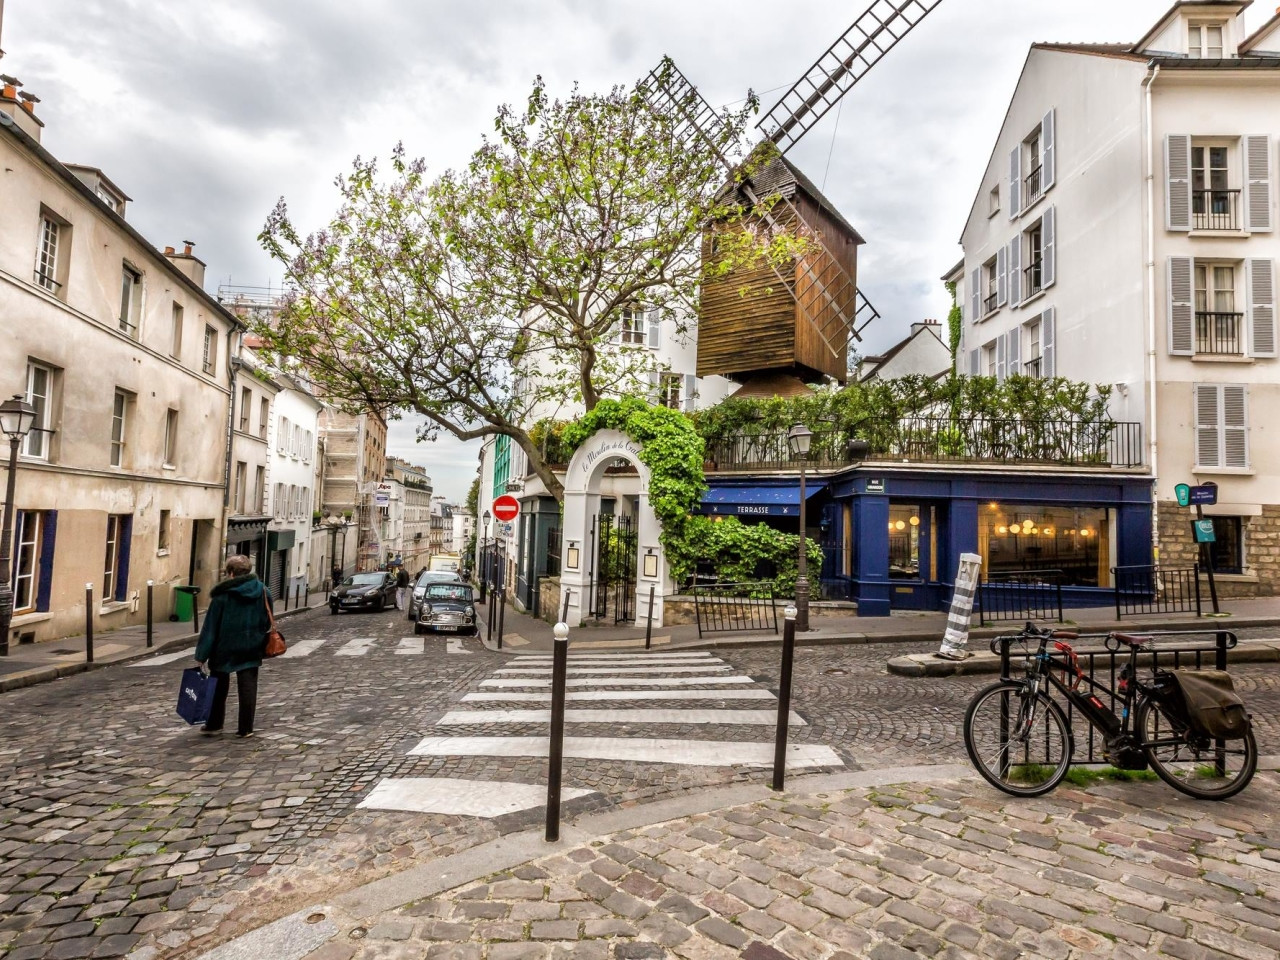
(942, 439)
(46, 281)
(1219, 334)
(1033, 190)
(989, 305)
(1215, 210)
(1031, 368)
(1032, 278)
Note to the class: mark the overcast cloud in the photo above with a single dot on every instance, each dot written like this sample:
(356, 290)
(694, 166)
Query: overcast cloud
(207, 113)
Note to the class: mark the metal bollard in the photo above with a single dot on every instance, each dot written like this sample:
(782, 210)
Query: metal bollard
(150, 628)
(195, 612)
(784, 697)
(285, 591)
(564, 614)
(502, 614)
(488, 630)
(297, 596)
(648, 627)
(559, 668)
(88, 623)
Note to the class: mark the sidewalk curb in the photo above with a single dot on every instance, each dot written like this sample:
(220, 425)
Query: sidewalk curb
(38, 675)
(292, 937)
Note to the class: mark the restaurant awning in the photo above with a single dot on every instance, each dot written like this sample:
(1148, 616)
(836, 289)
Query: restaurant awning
(757, 501)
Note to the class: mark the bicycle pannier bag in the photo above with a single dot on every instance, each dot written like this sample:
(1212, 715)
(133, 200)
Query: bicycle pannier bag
(1212, 707)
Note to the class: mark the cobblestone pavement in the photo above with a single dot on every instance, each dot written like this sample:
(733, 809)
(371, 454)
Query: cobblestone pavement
(123, 832)
(945, 869)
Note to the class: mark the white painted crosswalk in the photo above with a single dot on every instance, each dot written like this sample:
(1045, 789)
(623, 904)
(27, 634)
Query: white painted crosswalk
(699, 753)
(166, 658)
(573, 696)
(354, 647)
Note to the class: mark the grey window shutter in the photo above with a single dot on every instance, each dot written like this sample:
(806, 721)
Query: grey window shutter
(655, 328)
(1257, 152)
(1049, 343)
(1235, 427)
(973, 362)
(1002, 276)
(1262, 308)
(1015, 271)
(1013, 352)
(655, 386)
(1048, 140)
(975, 295)
(1015, 182)
(1208, 425)
(1177, 178)
(1182, 321)
(1002, 368)
(1049, 248)
(690, 393)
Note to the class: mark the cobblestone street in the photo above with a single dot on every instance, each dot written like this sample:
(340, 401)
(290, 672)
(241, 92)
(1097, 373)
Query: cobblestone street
(127, 833)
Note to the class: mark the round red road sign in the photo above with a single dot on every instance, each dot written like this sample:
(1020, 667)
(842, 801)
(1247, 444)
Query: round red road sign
(506, 508)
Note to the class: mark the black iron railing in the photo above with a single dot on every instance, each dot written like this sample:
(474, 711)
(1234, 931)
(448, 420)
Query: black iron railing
(1219, 333)
(1141, 590)
(735, 607)
(46, 281)
(1215, 209)
(989, 304)
(553, 551)
(1033, 186)
(1025, 595)
(1032, 278)
(1031, 368)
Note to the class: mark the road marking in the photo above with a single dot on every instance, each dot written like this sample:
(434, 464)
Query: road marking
(607, 657)
(693, 753)
(465, 798)
(575, 661)
(614, 644)
(411, 646)
(303, 648)
(507, 683)
(756, 694)
(758, 717)
(355, 648)
(615, 670)
(455, 646)
(165, 658)
(514, 640)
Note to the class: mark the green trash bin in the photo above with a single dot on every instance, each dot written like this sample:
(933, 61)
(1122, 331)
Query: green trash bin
(184, 603)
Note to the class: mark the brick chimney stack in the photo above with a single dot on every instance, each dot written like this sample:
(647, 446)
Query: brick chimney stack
(187, 262)
(20, 106)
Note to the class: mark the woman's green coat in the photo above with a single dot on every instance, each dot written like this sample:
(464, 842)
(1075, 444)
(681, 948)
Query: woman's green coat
(235, 627)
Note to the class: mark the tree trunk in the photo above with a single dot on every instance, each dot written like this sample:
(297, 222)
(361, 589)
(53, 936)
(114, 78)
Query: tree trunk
(539, 466)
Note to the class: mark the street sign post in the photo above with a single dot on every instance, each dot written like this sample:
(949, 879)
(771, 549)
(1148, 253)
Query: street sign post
(1204, 531)
(1183, 492)
(1204, 495)
(506, 508)
(1200, 496)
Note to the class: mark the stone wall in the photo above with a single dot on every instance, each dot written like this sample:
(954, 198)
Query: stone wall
(1261, 551)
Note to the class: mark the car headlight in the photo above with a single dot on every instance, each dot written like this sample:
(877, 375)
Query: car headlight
(471, 611)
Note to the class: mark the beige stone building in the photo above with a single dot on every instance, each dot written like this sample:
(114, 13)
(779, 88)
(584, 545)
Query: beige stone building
(417, 512)
(125, 358)
(355, 460)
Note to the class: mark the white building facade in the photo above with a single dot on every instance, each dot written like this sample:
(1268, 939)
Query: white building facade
(291, 484)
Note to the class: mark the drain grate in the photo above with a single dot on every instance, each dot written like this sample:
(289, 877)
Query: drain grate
(836, 672)
(63, 653)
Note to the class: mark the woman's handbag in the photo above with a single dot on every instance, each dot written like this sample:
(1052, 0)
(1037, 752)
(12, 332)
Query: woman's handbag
(275, 639)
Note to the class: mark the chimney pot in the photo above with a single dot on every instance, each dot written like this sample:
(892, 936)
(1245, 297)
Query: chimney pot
(169, 251)
(186, 249)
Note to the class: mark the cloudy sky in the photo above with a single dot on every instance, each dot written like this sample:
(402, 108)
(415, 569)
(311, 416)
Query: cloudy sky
(206, 113)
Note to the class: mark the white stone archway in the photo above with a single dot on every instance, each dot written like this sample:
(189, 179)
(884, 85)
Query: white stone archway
(582, 503)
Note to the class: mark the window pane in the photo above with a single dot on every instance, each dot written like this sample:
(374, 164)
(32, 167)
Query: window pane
(1225, 551)
(1017, 538)
(904, 542)
(38, 397)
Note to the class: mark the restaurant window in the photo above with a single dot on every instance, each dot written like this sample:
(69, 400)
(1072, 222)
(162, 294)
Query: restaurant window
(1070, 544)
(904, 542)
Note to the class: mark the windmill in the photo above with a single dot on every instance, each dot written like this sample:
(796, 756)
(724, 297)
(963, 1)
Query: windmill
(798, 321)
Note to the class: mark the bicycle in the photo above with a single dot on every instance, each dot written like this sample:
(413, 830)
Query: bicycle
(1021, 742)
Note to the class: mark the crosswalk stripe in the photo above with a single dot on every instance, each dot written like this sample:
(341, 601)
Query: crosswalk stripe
(165, 658)
(467, 798)
(509, 682)
(411, 645)
(630, 655)
(614, 670)
(614, 662)
(355, 648)
(302, 648)
(642, 715)
(694, 753)
(579, 695)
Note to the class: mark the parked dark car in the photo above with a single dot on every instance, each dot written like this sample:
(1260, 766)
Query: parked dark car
(425, 579)
(364, 591)
(447, 608)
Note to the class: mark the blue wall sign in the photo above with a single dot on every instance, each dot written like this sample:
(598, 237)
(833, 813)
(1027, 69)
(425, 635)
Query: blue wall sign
(1205, 495)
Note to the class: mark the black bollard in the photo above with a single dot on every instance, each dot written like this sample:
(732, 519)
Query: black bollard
(88, 623)
(297, 596)
(195, 612)
(559, 668)
(564, 614)
(784, 698)
(648, 627)
(502, 614)
(488, 630)
(150, 628)
(285, 591)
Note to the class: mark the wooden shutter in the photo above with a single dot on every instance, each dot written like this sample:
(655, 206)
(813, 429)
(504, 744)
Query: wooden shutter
(1257, 152)
(1015, 271)
(1262, 308)
(689, 393)
(1013, 352)
(1235, 427)
(1048, 343)
(974, 356)
(1177, 178)
(655, 386)
(1048, 248)
(1208, 425)
(655, 328)
(1002, 367)
(48, 540)
(1002, 276)
(1048, 138)
(1182, 320)
(975, 297)
(1015, 182)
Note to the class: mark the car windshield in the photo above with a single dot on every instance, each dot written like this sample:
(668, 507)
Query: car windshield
(449, 591)
(364, 579)
(436, 576)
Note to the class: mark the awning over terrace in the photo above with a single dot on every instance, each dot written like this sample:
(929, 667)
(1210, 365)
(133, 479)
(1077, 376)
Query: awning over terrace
(738, 501)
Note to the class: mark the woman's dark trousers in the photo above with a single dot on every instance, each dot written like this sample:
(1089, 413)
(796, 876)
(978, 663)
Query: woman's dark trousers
(246, 691)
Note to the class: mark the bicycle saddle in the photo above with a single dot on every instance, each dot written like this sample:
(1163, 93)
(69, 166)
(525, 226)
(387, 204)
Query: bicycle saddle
(1132, 639)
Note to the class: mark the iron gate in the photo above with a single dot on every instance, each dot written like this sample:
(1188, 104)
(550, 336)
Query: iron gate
(615, 541)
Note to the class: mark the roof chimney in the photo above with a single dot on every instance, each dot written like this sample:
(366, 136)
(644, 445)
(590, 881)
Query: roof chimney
(187, 262)
(20, 106)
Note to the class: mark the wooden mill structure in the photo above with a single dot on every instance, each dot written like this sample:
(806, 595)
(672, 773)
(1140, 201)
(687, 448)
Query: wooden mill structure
(755, 323)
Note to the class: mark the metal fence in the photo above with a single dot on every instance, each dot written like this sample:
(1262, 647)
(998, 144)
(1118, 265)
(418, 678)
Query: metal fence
(736, 607)
(1025, 595)
(1141, 590)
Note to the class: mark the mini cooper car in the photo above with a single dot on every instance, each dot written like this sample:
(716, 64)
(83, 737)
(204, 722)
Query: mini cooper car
(425, 579)
(364, 591)
(447, 608)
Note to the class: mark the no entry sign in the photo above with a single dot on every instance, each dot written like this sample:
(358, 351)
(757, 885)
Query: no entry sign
(506, 508)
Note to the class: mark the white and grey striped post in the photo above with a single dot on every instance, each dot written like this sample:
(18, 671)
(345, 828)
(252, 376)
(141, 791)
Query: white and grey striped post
(957, 635)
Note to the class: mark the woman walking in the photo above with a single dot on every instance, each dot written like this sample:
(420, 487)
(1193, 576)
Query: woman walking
(232, 641)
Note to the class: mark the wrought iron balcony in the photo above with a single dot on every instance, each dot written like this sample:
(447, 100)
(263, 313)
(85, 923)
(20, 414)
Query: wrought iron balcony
(1033, 186)
(1032, 278)
(1215, 210)
(1220, 334)
(989, 305)
(1031, 368)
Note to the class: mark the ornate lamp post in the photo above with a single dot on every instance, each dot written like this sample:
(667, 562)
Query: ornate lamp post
(799, 438)
(17, 417)
(484, 557)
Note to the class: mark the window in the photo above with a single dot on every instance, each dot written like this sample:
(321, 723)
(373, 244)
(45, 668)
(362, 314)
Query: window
(115, 579)
(1222, 431)
(1214, 205)
(242, 473)
(130, 299)
(264, 417)
(1017, 539)
(39, 395)
(277, 501)
(282, 436)
(1033, 183)
(246, 401)
(27, 560)
(162, 532)
(1219, 327)
(170, 437)
(1204, 40)
(291, 503)
(993, 201)
(904, 542)
(209, 359)
(1033, 367)
(308, 443)
(1033, 272)
(989, 354)
(989, 299)
(1226, 553)
(634, 331)
(175, 345)
(47, 254)
(119, 410)
(259, 488)
(669, 390)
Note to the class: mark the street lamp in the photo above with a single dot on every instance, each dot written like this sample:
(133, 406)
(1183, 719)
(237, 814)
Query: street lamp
(17, 417)
(799, 437)
(484, 557)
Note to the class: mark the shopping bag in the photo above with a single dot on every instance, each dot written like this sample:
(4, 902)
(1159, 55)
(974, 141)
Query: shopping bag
(195, 695)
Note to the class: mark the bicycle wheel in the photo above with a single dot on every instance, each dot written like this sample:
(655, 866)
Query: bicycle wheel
(1198, 768)
(1020, 744)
